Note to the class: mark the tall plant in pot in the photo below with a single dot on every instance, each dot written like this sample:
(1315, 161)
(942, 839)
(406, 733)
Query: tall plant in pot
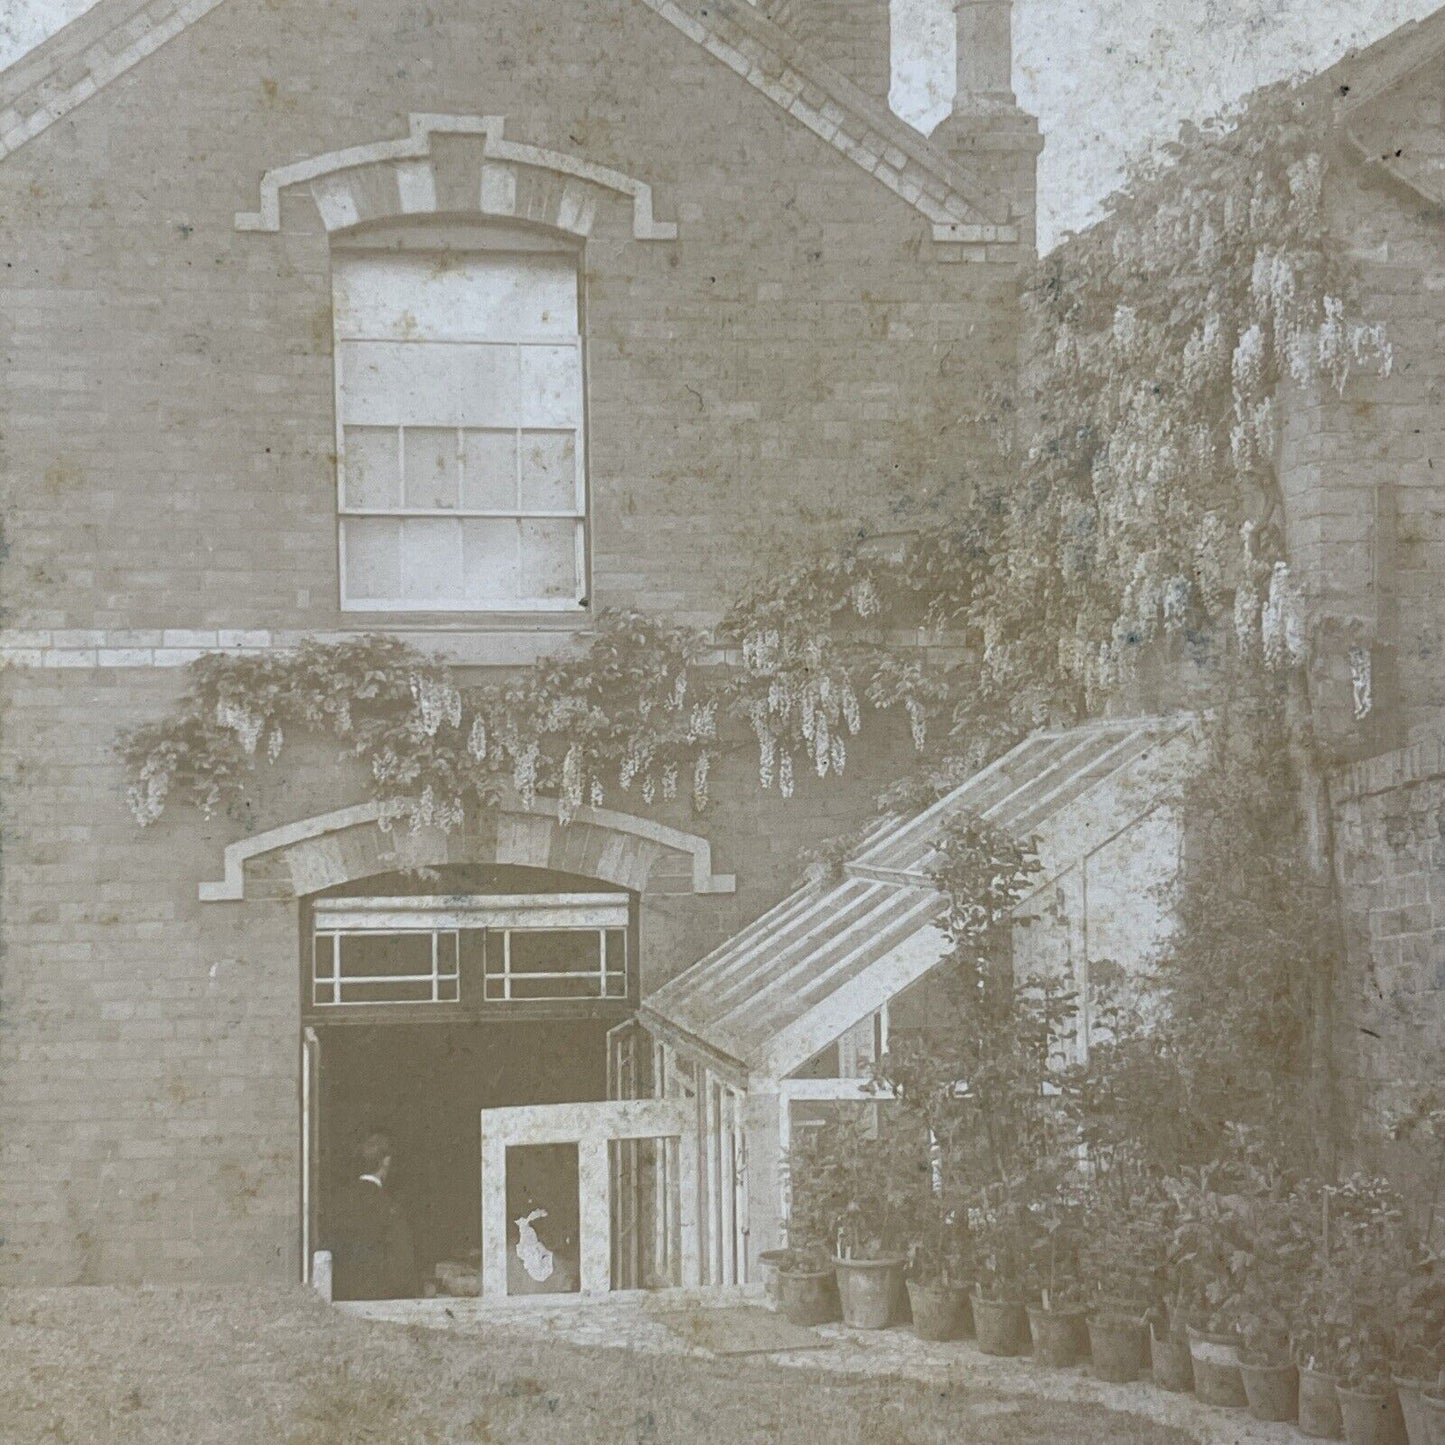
(1057, 1319)
(807, 1287)
(1370, 1259)
(1419, 1343)
(918, 1072)
(1206, 1266)
(1005, 1236)
(873, 1170)
(1123, 1253)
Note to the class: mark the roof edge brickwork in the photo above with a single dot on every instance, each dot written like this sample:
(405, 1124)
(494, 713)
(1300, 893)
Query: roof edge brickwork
(82, 58)
(114, 36)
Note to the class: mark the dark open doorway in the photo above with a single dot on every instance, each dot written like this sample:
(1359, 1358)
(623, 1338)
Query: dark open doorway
(424, 1085)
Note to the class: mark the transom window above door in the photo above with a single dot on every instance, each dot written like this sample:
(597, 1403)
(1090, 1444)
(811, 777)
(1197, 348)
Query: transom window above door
(461, 456)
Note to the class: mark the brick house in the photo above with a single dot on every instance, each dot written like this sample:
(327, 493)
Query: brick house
(259, 265)
(1362, 475)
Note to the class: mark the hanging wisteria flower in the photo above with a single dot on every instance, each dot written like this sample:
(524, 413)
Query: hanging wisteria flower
(247, 725)
(477, 739)
(274, 743)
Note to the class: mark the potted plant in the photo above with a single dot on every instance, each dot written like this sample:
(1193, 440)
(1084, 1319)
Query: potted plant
(1208, 1258)
(872, 1172)
(1122, 1253)
(1419, 1343)
(939, 1277)
(1278, 1224)
(1003, 1235)
(1369, 1264)
(807, 1286)
(1432, 1409)
(1057, 1321)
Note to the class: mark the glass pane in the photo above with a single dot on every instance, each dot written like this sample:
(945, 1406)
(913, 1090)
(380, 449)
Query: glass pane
(551, 386)
(456, 295)
(489, 562)
(370, 471)
(549, 471)
(431, 560)
(373, 557)
(431, 467)
(556, 951)
(549, 560)
(489, 471)
(385, 955)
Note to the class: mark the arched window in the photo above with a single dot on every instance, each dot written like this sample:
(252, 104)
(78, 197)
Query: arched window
(460, 419)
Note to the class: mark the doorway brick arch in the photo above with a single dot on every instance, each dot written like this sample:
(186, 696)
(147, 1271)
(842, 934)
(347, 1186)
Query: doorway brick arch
(329, 849)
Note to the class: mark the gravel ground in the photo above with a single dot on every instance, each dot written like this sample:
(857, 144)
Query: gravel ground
(278, 1367)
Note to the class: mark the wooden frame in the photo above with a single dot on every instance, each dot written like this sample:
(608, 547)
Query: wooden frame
(592, 1128)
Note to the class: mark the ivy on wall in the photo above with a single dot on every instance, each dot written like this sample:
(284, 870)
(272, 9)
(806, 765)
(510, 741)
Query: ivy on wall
(1135, 504)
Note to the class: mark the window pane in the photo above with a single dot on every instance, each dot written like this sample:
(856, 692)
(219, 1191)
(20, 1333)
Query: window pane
(418, 383)
(395, 955)
(549, 471)
(373, 557)
(370, 472)
(489, 470)
(455, 295)
(549, 559)
(431, 467)
(556, 951)
(489, 561)
(431, 560)
(551, 386)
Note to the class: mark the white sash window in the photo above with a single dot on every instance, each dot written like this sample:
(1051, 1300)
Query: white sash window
(460, 430)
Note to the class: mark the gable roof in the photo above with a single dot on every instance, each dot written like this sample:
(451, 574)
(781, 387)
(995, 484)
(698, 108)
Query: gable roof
(1364, 78)
(790, 983)
(114, 36)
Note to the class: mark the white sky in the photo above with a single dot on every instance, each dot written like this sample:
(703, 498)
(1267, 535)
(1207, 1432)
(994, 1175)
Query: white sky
(1105, 77)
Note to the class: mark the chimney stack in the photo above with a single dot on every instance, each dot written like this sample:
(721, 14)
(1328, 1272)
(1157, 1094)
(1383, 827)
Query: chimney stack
(853, 36)
(984, 51)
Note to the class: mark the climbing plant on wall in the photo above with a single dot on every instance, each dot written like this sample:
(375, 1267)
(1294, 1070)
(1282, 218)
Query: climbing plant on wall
(1135, 505)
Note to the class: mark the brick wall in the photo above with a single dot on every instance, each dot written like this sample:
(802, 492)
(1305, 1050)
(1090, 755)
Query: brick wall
(1390, 998)
(1362, 473)
(798, 354)
(851, 35)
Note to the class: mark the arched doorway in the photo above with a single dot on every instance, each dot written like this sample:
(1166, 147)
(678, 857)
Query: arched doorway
(429, 997)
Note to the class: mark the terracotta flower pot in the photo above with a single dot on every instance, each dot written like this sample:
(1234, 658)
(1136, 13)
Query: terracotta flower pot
(1169, 1363)
(770, 1261)
(1061, 1337)
(1417, 1427)
(1432, 1410)
(1319, 1406)
(1272, 1390)
(808, 1296)
(870, 1290)
(1116, 1346)
(1217, 1380)
(940, 1311)
(1371, 1417)
(1000, 1326)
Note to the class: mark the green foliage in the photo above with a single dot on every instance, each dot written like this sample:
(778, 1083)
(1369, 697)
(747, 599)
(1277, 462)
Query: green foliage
(635, 713)
(1253, 937)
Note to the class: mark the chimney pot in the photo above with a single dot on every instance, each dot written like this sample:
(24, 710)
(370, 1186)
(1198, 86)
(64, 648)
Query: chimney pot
(984, 42)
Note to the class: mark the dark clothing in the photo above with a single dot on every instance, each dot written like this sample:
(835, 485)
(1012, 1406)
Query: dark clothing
(372, 1249)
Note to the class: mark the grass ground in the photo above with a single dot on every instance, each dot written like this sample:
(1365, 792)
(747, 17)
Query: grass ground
(277, 1367)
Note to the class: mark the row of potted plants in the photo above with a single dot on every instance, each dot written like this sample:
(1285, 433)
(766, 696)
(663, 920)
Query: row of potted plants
(1252, 1288)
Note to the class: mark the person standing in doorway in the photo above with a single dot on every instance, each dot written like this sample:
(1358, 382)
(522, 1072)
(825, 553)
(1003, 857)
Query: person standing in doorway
(373, 1256)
